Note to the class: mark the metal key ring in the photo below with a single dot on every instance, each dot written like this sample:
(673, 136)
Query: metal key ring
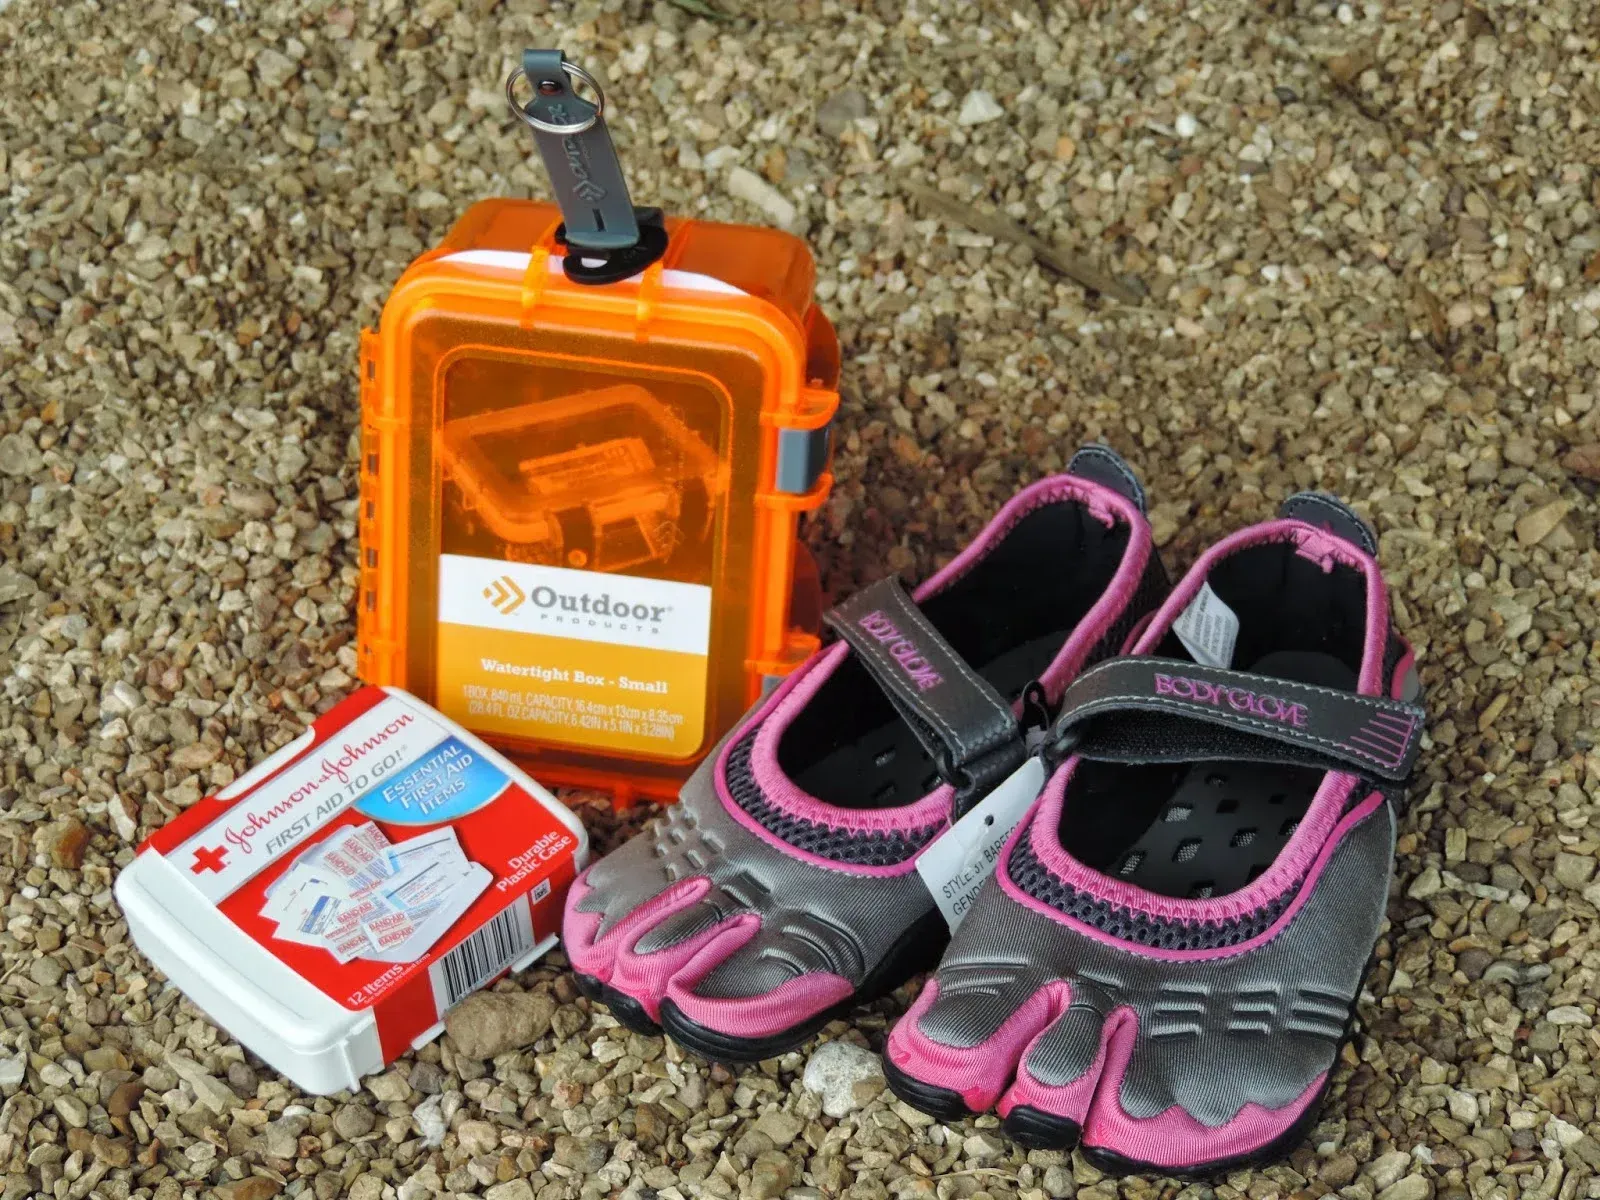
(577, 73)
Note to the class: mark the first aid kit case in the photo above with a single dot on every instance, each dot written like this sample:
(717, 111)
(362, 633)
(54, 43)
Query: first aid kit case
(330, 905)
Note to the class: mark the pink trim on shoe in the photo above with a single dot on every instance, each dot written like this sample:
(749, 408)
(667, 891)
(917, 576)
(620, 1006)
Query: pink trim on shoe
(1291, 865)
(648, 978)
(781, 709)
(1135, 634)
(782, 792)
(1397, 681)
(786, 1006)
(1302, 892)
(1174, 1138)
(596, 956)
(815, 860)
(979, 1073)
(612, 960)
(1103, 503)
(1108, 507)
(1313, 543)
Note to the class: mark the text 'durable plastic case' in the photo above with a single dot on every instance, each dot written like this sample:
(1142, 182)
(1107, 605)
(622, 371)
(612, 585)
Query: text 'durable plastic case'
(580, 503)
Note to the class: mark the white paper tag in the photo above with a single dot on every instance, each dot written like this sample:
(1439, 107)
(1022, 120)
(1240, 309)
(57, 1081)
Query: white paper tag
(1208, 629)
(955, 866)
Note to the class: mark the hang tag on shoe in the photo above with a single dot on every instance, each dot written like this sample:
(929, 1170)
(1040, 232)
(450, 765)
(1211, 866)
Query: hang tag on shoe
(958, 862)
(1208, 629)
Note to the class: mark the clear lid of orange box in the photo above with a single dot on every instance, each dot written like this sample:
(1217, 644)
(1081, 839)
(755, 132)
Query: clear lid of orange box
(580, 503)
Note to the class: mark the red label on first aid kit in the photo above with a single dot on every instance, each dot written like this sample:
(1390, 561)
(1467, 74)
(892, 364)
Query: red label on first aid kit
(387, 858)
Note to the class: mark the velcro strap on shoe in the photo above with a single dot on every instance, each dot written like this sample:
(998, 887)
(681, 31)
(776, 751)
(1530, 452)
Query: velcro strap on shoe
(957, 715)
(1151, 710)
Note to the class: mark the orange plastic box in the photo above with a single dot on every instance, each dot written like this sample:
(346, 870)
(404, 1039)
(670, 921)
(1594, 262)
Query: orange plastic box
(579, 504)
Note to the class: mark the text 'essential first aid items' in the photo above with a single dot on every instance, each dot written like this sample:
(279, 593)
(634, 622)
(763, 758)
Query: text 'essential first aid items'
(327, 907)
(581, 487)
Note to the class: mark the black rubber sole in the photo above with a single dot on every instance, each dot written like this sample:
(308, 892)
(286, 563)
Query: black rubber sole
(944, 1103)
(628, 1011)
(1275, 1151)
(917, 950)
(1039, 1130)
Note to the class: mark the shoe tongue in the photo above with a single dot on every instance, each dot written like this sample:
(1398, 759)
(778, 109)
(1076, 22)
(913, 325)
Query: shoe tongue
(1104, 466)
(1332, 515)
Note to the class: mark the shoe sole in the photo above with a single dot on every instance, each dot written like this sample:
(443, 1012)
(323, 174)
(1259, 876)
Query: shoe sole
(917, 950)
(946, 1104)
(628, 1011)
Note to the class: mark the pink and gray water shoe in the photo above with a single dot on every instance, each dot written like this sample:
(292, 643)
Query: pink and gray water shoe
(1166, 962)
(782, 889)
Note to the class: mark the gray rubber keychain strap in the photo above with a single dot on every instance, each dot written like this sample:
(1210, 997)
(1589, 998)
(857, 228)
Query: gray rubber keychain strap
(1152, 710)
(957, 715)
(573, 141)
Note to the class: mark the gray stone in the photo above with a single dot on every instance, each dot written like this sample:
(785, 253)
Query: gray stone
(14, 585)
(1412, 1187)
(490, 1023)
(782, 1127)
(979, 108)
(840, 110)
(835, 1072)
(19, 456)
(351, 1121)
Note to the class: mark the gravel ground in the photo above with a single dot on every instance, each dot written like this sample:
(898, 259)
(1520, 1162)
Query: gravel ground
(1355, 247)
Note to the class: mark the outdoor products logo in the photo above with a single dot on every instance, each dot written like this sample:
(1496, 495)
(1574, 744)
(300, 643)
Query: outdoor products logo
(902, 649)
(1239, 699)
(533, 600)
(504, 595)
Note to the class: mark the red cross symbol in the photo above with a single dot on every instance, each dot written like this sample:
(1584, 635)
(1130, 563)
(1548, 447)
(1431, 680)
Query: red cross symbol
(208, 858)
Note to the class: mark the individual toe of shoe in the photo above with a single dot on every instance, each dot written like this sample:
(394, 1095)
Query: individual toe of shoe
(627, 1010)
(946, 1046)
(1040, 1130)
(740, 1028)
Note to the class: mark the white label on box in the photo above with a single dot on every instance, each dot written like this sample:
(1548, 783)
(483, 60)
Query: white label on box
(587, 606)
(284, 811)
(1208, 629)
(962, 858)
(500, 941)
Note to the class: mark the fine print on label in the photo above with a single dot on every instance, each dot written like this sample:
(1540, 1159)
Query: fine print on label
(577, 657)
(1208, 629)
(958, 861)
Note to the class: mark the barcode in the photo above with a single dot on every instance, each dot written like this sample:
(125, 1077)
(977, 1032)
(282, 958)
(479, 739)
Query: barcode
(502, 940)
